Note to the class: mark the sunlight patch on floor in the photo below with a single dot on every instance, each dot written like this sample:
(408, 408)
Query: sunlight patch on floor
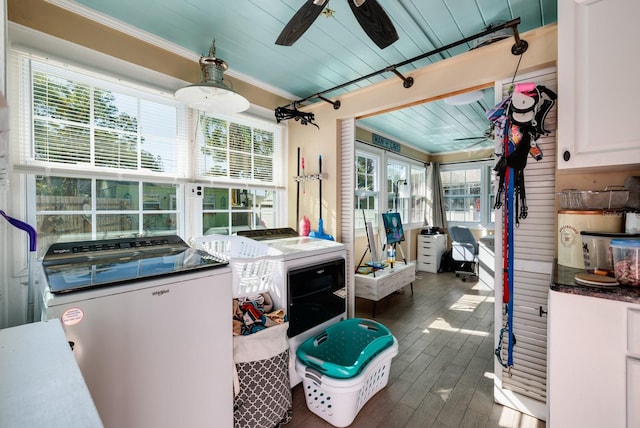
(468, 303)
(443, 393)
(442, 324)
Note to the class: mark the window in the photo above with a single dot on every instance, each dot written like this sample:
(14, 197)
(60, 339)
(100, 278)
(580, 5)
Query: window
(235, 150)
(79, 135)
(227, 211)
(76, 121)
(104, 158)
(366, 195)
(404, 187)
(78, 209)
(398, 189)
(418, 199)
(406, 190)
(467, 193)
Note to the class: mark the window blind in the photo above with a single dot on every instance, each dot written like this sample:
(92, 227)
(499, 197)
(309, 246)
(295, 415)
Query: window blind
(72, 120)
(233, 148)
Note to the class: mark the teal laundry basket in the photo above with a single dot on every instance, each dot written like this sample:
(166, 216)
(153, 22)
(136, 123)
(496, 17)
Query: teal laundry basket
(342, 350)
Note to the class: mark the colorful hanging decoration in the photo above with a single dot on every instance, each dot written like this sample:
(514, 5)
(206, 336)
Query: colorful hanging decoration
(519, 122)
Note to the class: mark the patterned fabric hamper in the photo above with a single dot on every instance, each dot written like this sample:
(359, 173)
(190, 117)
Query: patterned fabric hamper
(262, 366)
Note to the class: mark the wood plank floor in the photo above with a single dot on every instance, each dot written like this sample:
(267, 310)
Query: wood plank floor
(443, 373)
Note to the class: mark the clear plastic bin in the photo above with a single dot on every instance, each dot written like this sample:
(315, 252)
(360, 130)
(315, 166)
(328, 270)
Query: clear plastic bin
(626, 261)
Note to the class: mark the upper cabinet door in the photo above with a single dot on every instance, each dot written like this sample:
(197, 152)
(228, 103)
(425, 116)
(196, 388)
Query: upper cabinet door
(598, 83)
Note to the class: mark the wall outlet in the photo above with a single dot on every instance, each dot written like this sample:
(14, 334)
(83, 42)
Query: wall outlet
(195, 190)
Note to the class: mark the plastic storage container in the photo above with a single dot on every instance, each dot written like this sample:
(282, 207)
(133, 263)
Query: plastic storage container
(596, 250)
(608, 199)
(626, 261)
(338, 401)
(342, 350)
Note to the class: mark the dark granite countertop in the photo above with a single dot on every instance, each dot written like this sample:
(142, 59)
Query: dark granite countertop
(562, 280)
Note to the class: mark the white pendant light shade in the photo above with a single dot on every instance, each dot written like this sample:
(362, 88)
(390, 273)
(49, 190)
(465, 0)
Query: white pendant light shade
(212, 95)
(464, 98)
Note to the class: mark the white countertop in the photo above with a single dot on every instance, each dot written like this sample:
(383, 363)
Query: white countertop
(41, 382)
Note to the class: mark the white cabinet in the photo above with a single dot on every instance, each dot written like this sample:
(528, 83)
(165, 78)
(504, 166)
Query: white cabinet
(633, 392)
(598, 89)
(593, 377)
(430, 250)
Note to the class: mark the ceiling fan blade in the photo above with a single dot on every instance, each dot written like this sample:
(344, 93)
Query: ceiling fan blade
(476, 143)
(470, 138)
(374, 21)
(300, 22)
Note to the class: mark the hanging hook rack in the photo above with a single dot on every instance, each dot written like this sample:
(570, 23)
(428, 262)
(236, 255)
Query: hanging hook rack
(520, 46)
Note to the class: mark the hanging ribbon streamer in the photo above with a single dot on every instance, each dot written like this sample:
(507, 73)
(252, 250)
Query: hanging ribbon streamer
(510, 209)
(507, 191)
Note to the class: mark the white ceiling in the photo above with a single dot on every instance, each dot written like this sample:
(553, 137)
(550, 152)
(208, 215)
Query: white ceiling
(334, 50)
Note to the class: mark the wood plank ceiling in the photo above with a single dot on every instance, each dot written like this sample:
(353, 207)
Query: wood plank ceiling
(334, 50)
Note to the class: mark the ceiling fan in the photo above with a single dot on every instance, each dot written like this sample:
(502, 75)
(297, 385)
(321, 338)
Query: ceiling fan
(370, 15)
(487, 135)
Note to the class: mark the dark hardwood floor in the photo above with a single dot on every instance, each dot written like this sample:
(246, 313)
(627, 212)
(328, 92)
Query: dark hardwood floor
(443, 373)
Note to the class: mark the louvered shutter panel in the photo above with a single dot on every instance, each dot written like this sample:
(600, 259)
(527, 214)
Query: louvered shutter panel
(525, 388)
(347, 208)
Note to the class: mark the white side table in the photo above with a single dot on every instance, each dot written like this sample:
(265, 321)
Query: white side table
(379, 284)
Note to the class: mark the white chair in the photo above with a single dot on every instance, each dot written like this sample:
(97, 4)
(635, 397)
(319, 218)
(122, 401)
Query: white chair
(464, 252)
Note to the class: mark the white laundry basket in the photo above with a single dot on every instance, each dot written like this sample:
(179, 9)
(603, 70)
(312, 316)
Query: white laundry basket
(338, 401)
(254, 264)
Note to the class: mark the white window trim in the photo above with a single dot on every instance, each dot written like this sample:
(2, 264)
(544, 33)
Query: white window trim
(385, 156)
(90, 62)
(409, 163)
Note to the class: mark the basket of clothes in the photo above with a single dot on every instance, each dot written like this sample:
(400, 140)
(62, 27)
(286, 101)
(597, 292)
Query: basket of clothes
(262, 390)
(344, 366)
(253, 263)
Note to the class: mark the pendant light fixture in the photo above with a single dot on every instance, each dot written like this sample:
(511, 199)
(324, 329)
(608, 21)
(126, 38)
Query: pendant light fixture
(212, 95)
(464, 98)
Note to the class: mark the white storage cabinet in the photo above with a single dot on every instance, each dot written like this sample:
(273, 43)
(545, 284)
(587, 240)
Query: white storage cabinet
(594, 363)
(598, 60)
(430, 251)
